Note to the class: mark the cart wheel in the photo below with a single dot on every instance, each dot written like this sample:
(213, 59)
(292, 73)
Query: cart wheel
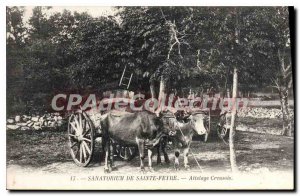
(81, 138)
(126, 153)
(223, 133)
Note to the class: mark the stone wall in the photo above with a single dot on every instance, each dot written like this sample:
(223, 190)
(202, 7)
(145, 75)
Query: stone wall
(36, 122)
(258, 112)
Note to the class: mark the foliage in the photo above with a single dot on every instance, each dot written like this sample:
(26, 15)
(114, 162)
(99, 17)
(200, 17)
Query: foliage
(96, 53)
(193, 47)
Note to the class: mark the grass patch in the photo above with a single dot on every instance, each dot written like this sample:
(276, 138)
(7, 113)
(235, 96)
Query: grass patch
(36, 148)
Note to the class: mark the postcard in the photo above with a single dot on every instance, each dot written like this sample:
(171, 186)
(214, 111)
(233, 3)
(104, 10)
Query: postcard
(150, 98)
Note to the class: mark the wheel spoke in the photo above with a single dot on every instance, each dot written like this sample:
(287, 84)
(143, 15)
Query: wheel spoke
(77, 125)
(74, 127)
(80, 154)
(77, 151)
(80, 120)
(88, 140)
(84, 152)
(121, 152)
(75, 143)
(125, 153)
(86, 132)
(72, 135)
(84, 124)
(86, 147)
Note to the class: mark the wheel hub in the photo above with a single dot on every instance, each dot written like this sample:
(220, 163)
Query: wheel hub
(80, 138)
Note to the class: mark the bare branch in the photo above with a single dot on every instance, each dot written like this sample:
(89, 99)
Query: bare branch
(170, 50)
(287, 74)
(174, 36)
(287, 68)
(277, 85)
(162, 13)
(290, 83)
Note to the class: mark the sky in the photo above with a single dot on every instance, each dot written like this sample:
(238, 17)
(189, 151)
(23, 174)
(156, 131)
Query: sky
(93, 11)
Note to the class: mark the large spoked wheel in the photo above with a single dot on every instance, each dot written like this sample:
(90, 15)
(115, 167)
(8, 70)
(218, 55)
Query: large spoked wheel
(223, 133)
(126, 153)
(81, 138)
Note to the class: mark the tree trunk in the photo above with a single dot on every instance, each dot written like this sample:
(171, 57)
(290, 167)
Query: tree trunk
(228, 93)
(162, 91)
(287, 123)
(233, 164)
(152, 89)
(283, 89)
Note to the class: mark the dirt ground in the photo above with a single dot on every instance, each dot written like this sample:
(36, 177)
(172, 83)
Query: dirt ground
(47, 151)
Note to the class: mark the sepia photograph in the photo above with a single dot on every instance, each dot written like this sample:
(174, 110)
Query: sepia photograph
(150, 98)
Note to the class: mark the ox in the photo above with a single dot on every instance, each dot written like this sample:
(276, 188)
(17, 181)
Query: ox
(143, 129)
(183, 131)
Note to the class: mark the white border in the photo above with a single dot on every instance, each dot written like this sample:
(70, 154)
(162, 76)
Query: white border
(111, 3)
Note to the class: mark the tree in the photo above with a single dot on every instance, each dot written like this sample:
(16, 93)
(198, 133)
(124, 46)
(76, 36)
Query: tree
(15, 55)
(48, 56)
(96, 49)
(39, 23)
(192, 47)
(284, 78)
(233, 164)
(44, 69)
(152, 44)
(15, 29)
(147, 40)
(232, 132)
(273, 41)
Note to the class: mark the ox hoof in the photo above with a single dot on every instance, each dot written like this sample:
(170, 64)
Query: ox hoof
(167, 162)
(151, 169)
(106, 170)
(114, 169)
(187, 167)
(158, 162)
(176, 166)
(142, 170)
